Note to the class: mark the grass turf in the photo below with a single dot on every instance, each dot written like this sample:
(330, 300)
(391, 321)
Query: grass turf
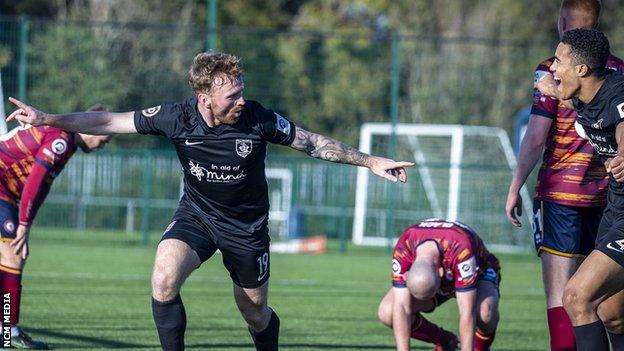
(91, 291)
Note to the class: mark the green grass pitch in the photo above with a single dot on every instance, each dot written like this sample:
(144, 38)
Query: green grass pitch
(91, 291)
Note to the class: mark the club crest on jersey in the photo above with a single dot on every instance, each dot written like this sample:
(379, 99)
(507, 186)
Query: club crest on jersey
(620, 109)
(243, 147)
(150, 112)
(59, 146)
(9, 226)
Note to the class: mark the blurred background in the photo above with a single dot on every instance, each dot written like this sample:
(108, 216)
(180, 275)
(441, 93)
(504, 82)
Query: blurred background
(330, 66)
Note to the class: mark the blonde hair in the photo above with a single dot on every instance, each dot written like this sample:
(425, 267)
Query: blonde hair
(210, 65)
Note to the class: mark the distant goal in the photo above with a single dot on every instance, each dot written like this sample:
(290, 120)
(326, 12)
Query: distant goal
(461, 172)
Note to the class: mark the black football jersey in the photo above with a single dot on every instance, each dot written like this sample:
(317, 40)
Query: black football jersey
(224, 170)
(600, 117)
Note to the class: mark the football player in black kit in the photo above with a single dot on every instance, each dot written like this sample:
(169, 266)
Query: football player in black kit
(221, 142)
(594, 295)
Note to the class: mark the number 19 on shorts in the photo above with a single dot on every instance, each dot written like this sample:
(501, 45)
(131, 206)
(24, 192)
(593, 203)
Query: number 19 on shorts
(263, 265)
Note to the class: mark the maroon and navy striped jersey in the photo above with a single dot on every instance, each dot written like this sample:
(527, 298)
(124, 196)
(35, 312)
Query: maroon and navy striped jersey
(30, 158)
(463, 254)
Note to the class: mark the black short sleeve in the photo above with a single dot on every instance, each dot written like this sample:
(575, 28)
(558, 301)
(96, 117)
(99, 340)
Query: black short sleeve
(159, 120)
(273, 127)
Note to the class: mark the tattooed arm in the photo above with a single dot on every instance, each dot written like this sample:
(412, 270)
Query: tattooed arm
(325, 148)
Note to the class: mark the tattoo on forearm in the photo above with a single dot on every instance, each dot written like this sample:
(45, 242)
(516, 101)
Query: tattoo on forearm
(329, 149)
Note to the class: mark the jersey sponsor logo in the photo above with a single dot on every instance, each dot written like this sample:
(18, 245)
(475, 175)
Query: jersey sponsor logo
(467, 268)
(9, 226)
(217, 174)
(243, 147)
(191, 143)
(620, 109)
(617, 245)
(597, 125)
(282, 124)
(396, 266)
(59, 146)
(151, 112)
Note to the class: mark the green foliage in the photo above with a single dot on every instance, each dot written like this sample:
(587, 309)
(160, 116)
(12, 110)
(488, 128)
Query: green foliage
(5, 55)
(324, 63)
(72, 70)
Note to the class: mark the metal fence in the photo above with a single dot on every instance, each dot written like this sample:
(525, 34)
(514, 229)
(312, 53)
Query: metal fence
(327, 82)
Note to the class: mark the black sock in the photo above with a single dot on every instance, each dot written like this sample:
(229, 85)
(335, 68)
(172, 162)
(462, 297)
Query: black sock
(170, 319)
(591, 337)
(617, 341)
(267, 339)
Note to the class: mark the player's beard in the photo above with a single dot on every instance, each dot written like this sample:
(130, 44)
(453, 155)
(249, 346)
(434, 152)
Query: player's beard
(231, 117)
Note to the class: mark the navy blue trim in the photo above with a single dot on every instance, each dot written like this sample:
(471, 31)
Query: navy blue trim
(467, 289)
(539, 112)
(45, 164)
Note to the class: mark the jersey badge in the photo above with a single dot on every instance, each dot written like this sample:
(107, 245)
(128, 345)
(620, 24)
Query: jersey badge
(9, 226)
(151, 112)
(243, 147)
(620, 109)
(396, 267)
(59, 146)
(282, 124)
(468, 267)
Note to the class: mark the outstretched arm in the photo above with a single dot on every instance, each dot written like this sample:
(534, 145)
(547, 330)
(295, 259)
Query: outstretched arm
(99, 122)
(329, 149)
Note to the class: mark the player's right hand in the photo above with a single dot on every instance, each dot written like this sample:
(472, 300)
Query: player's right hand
(513, 208)
(615, 166)
(26, 114)
(20, 243)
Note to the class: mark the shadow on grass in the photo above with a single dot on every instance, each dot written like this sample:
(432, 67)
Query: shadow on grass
(91, 340)
(298, 346)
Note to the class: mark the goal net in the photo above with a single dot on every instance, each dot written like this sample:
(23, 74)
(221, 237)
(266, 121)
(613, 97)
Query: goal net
(461, 173)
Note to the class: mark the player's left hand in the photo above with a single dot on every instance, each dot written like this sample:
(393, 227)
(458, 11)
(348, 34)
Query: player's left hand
(615, 166)
(20, 243)
(390, 169)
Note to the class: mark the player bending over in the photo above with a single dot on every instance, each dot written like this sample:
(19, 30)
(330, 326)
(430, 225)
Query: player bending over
(433, 261)
(30, 159)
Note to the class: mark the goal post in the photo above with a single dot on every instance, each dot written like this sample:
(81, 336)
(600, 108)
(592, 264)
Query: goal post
(461, 173)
